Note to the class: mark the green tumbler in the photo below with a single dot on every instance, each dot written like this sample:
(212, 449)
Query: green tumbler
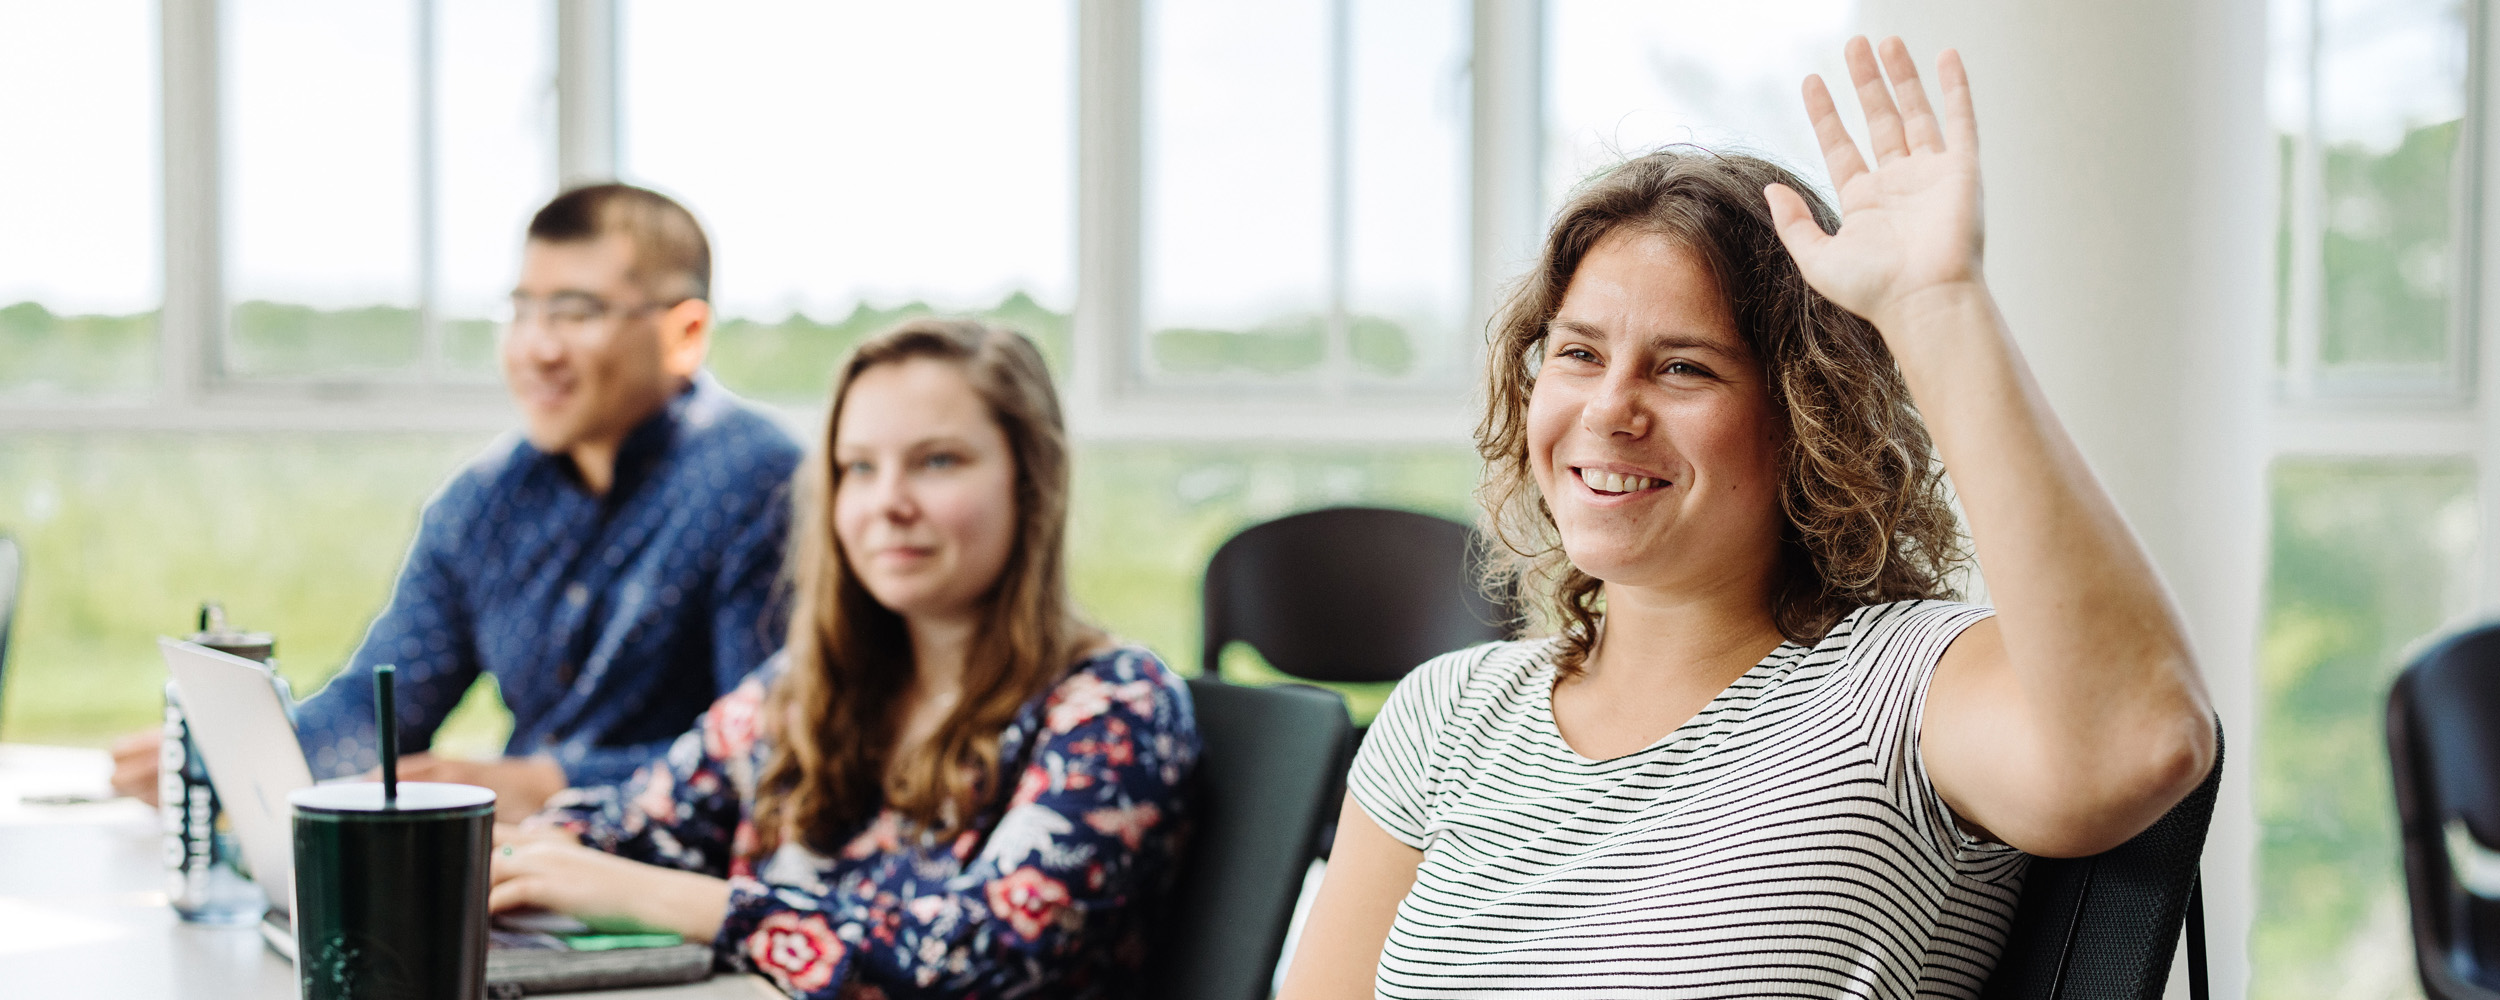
(390, 896)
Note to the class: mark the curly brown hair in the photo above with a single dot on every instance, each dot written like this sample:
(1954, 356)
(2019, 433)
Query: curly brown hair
(1868, 518)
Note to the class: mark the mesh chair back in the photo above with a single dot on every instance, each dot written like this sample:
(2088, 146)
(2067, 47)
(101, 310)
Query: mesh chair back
(1261, 791)
(2443, 743)
(2105, 927)
(9, 567)
(1349, 594)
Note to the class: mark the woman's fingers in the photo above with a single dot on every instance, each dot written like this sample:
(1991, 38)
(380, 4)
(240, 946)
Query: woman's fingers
(1918, 121)
(1961, 123)
(510, 860)
(511, 894)
(534, 830)
(1840, 153)
(1794, 222)
(1883, 121)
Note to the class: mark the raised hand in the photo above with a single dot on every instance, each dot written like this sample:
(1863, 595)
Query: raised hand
(1910, 225)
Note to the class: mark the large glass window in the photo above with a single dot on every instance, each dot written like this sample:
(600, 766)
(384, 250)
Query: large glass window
(855, 161)
(494, 157)
(1624, 77)
(125, 534)
(382, 159)
(2368, 556)
(2369, 99)
(1306, 190)
(321, 205)
(1146, 518)
(80, 270)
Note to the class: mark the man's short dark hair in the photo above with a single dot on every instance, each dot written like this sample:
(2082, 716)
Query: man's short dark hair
(672, 259)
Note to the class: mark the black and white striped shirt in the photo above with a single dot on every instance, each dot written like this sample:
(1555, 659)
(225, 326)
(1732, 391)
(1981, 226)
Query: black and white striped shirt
(1785, 842)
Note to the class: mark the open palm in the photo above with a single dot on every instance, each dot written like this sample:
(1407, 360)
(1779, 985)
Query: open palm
(1910, 225)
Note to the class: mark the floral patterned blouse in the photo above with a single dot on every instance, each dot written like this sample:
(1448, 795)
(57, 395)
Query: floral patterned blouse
(1049, 892)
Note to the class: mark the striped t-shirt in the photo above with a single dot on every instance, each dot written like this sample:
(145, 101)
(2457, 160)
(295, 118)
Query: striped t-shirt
(1784, 842)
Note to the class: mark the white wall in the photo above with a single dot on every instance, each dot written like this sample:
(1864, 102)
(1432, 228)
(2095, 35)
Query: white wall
(2130, 190)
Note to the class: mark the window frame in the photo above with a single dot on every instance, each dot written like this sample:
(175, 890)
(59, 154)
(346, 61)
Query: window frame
(1109, 395)
(2303, 379)
(2357, 416)
(1114, 396)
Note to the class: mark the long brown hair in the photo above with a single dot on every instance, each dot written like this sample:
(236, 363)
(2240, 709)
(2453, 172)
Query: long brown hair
(1867, 516)
(849, 658)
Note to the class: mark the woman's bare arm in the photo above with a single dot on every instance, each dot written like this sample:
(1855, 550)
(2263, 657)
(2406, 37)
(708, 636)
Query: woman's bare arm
(1369, 873)
(2076, 717)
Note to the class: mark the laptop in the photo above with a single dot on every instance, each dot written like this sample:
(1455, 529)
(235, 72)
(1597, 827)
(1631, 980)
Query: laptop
(240, 722)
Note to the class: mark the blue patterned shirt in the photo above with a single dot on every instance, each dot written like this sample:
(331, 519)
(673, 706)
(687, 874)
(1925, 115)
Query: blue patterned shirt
(609, 623)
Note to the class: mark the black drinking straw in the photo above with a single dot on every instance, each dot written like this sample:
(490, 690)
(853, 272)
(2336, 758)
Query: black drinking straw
(386, 712)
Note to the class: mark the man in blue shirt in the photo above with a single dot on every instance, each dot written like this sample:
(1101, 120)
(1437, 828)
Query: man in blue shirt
(614, 569)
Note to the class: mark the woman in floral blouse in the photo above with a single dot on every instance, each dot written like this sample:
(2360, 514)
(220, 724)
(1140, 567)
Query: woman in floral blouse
(946, 784)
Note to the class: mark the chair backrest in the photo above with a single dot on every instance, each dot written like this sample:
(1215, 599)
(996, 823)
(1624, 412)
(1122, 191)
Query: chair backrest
(2106, 927)
(2443, 744)
(1261, 792)
(1350, 593)
(10, 564)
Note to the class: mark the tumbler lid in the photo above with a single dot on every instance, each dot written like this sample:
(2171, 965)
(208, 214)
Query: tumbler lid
(414, 797)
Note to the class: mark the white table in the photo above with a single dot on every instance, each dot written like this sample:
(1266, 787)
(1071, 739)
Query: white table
(82, 903)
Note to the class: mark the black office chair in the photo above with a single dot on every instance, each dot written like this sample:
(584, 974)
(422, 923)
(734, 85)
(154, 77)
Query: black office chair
(10, 564)
(2105, 927)
(1349, 594)
(1264, 784)
(2443, 743)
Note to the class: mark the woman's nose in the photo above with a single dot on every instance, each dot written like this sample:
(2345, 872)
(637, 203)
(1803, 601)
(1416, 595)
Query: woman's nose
(895, 500)
(1618, 408)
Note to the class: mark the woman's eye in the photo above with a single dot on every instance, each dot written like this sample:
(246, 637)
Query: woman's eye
(1686, 368)
(1577, 354)
(942, 460)
(850, 469)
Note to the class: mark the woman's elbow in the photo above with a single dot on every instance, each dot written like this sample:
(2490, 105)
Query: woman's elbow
(2148, 777)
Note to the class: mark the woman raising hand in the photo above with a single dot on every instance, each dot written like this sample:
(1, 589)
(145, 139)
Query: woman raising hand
(1763, 751)
(2074, 718)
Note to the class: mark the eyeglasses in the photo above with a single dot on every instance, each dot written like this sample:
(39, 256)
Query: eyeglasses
(570, 315)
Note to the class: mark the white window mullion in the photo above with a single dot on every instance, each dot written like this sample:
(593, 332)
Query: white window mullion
(2307, 298)
(2475, 310)
(429, 192)
(1507, 142)
(190, 331)
(1110, 207)
(1336, 357)
(586, 92)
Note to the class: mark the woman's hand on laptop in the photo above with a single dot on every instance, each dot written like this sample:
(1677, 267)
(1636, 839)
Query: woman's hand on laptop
(532, 832)
(605, 891)
(520, 784)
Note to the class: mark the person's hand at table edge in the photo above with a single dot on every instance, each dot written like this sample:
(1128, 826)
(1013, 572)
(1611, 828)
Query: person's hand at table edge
(520, 784)
(135, 760)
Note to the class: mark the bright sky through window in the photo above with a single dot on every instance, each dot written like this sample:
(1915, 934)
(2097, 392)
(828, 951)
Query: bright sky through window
(1626, 76)
(852, 152)
(321, 152)
(78, 179)
(842, 152)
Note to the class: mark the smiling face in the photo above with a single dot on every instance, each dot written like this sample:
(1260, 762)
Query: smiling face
(1650, 429)
(593, 355)
(924, 496)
